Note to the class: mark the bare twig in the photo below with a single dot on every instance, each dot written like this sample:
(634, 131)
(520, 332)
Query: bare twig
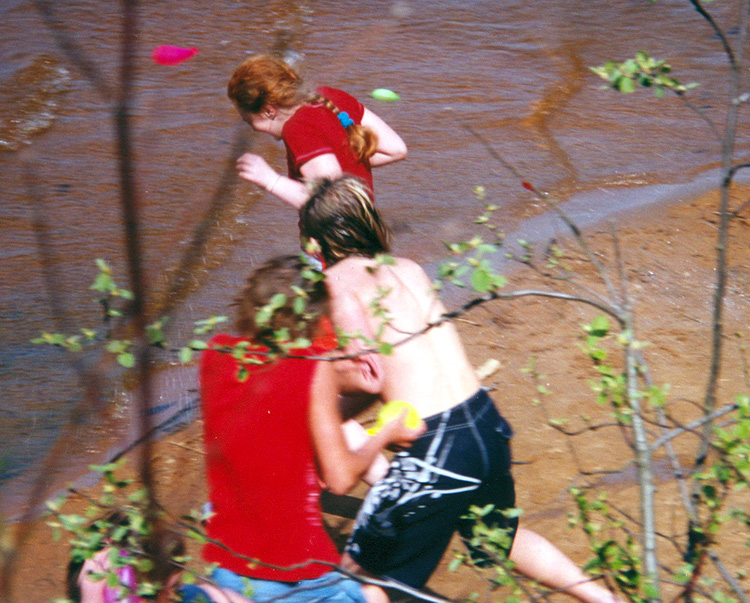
(673, 433)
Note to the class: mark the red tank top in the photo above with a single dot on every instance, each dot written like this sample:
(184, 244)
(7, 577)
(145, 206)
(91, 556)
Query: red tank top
(260, 466)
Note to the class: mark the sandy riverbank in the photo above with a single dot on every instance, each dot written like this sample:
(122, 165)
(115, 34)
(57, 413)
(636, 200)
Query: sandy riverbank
(669, 258)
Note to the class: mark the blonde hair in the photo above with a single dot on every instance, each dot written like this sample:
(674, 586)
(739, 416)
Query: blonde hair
(264, 79)
(341, 216)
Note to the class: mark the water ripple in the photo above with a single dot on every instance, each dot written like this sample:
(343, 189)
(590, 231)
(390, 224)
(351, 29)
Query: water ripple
(29, 101)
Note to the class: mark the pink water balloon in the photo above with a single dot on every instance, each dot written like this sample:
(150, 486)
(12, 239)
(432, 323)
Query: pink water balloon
(172, 55)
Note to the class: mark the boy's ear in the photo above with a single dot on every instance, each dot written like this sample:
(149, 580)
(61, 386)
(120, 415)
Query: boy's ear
(371, 372)
(360, 374)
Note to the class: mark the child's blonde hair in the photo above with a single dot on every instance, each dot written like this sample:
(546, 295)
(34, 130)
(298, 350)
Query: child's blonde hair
(342, 218)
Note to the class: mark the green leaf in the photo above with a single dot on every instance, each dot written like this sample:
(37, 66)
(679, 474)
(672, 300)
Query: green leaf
(625, 84)
(155, 331)
(185, 355)
(384, 259)
(102, 266)
(385, 348)
(650, 591)
(299, 305)
(208, 324)
(103, 283)
(126, 359)
(480, 280)
(278, 301)
(198, 344)
(455, 563)
(599, 327)
(116, 346)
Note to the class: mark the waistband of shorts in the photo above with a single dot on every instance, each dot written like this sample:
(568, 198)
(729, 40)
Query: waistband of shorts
(467, 411)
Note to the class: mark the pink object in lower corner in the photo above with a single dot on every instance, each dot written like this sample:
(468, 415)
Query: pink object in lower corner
(172, 55)
(126, 576)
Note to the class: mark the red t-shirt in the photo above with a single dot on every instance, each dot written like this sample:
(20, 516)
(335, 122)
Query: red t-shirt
(314, 130)
(260, 466)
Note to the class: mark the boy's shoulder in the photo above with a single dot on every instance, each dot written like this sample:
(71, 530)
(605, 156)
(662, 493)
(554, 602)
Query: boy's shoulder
(351, 265)
(358, 269)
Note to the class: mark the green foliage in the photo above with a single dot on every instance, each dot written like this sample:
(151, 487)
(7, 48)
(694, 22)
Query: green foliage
(727, 475)
(121, 348)
(474, 262)
(642, 70)
(616, 560)
(104, 283)
(123, 519)
(120, 522)
(265, 314)
(489, 546)
(611, 388)
(208, 325)
(483, 278)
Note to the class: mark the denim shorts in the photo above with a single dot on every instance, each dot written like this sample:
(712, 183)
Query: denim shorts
(409, 516)
(190, 593)
(332, 587)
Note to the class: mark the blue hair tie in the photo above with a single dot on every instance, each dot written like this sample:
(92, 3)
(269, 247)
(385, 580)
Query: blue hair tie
(345, 120)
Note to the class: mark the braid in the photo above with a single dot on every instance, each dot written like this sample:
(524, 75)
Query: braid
(362, 141)
(263, 80)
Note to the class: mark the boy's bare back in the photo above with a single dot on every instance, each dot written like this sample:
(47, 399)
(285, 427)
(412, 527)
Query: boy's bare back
(394, 303)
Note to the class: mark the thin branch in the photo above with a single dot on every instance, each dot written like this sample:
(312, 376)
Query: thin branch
(728, 577)
(566, 277)
(542, 196)
(677, 468)
(445, 317)
(723, 237)
(672, 434)
(740, 209)
(583, 430)
(718, 31)
(509, 295)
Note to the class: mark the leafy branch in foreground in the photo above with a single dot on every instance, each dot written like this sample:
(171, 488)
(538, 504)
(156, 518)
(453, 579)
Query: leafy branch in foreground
(644, 71)
(137, 549)
(115, 304)
(118, 523)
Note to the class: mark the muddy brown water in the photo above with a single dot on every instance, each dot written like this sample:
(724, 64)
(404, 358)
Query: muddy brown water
(514, 72)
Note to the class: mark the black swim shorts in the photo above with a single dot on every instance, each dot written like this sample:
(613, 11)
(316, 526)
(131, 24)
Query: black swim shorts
(408, 517)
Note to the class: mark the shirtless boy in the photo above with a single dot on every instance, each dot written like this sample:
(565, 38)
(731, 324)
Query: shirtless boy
(463, 458)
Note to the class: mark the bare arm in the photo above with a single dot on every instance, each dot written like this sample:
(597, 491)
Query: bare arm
(293, 191)
(340, 467)
(356, 437)
(255, 169)
(390, 145)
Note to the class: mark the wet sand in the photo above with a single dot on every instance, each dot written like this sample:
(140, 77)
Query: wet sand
(669, 256)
